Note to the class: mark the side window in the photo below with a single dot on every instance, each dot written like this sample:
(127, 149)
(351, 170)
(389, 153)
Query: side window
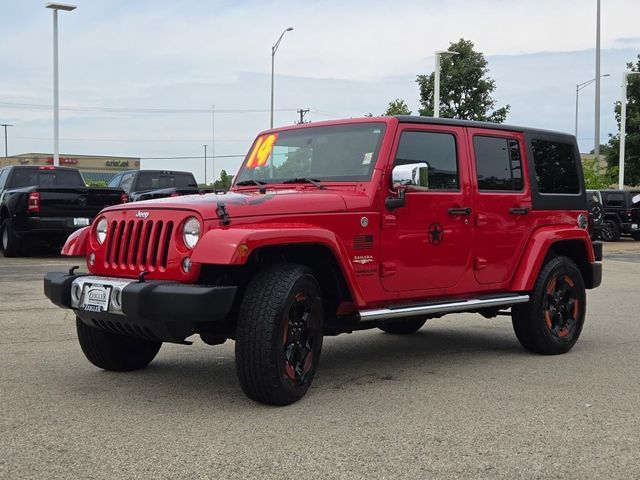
(498, 164)
(555, 166)
(115, 181)
(3, 177)
(615, 200)
(436, 152)
(127, 179)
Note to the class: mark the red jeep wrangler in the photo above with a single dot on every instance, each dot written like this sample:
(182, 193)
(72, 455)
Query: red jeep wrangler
(341, 226)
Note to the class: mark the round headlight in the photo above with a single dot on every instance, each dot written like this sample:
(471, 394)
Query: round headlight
(191, 232)
(101, 230)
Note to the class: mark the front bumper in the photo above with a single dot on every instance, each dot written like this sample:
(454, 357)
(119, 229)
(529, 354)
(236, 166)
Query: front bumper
(630, 227)
(155, 310)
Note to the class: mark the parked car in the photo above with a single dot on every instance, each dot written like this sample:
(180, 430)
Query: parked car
(596, 213)
(149, 184)
(340, 226)
(621, 214)
(46, 204)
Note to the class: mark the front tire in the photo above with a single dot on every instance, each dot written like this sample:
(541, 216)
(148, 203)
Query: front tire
(551, 322)
(610, 231)
(279, 334)
(114, 352)
(9, 241)
(403, 327)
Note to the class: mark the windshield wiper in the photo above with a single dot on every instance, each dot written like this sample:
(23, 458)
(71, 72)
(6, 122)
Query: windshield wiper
(316, 183)
(244, 183)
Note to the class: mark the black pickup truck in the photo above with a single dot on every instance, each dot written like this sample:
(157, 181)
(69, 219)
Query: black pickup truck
(150, 184)
(46, 204)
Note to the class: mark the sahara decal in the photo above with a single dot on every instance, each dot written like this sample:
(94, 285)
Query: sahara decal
(363, 259)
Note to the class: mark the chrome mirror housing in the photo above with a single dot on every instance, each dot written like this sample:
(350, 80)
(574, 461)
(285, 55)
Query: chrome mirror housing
(412, 175)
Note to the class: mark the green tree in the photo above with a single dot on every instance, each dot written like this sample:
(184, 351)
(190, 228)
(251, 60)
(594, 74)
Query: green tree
(465, 88)
(632, 143)
(397, 107)
(225, 181)
(596, 181)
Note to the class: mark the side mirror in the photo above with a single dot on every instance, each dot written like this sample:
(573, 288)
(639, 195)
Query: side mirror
(411, 175)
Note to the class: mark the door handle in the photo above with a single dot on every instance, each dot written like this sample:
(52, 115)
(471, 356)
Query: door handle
(518, 211)
(460, 211)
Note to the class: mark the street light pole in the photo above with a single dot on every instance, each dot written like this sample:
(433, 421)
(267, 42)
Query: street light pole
(623, 127)
(274, 49)
(205, 164)
(436, 82)
(596, 148)
(5, 125)
(56, 139)
(579, 87)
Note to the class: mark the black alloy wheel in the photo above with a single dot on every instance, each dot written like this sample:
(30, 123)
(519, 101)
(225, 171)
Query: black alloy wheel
(561, 306)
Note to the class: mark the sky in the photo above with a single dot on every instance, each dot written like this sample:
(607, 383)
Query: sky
(141, 78)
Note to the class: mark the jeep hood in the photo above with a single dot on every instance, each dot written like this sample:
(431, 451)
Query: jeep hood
(252, 203)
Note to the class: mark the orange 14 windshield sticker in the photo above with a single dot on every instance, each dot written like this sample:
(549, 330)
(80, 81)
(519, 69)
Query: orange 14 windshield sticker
(262, 150)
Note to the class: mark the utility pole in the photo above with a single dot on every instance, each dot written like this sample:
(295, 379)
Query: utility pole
(5, 125)
(302, 113)
(205, 164)
(213, 142)
(596, 148)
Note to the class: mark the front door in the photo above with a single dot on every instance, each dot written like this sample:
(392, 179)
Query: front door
(427, 242)
(502, 204)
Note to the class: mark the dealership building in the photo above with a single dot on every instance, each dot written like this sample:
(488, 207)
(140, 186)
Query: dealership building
(93, 167)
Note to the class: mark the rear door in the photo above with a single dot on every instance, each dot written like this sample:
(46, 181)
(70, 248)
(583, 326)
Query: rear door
(427, 242)
(502, 203)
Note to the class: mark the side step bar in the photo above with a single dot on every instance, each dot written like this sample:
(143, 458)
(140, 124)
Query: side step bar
(441, 307)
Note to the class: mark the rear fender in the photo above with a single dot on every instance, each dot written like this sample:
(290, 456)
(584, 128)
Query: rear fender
(233, 246)
(537, 249)
(76, 244)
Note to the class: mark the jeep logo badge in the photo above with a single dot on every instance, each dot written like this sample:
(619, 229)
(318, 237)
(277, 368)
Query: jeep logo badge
(143, 215)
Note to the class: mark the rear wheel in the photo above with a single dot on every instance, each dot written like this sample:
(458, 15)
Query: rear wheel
(279, 334)
(403, 327)
(9, 241)
(118, 353)
(610, 231)
(551, 322)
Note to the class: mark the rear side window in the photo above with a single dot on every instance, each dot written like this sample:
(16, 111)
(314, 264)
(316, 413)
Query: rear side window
(437, 150)
(27, 177)
(555, 167)
(498, 164)
(3, 177)
(615, 200)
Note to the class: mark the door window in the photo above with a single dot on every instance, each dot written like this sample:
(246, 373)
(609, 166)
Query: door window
(498, 164)
(115, 181)
(435, 150)
(3, 177)
(127, 179)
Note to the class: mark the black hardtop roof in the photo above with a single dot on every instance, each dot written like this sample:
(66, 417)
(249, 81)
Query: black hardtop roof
(474, 124)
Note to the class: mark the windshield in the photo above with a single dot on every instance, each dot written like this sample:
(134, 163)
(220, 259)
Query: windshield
(334, 153)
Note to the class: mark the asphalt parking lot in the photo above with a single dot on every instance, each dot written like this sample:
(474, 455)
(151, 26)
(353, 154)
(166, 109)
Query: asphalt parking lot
(459, 399)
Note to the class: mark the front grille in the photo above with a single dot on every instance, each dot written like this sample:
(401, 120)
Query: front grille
(138, 244)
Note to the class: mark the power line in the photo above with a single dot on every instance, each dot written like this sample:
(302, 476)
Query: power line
(198, 157)
(149, 110)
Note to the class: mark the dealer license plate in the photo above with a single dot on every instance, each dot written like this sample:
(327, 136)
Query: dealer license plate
(95, 298)
(634, 226)
(80, 222)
